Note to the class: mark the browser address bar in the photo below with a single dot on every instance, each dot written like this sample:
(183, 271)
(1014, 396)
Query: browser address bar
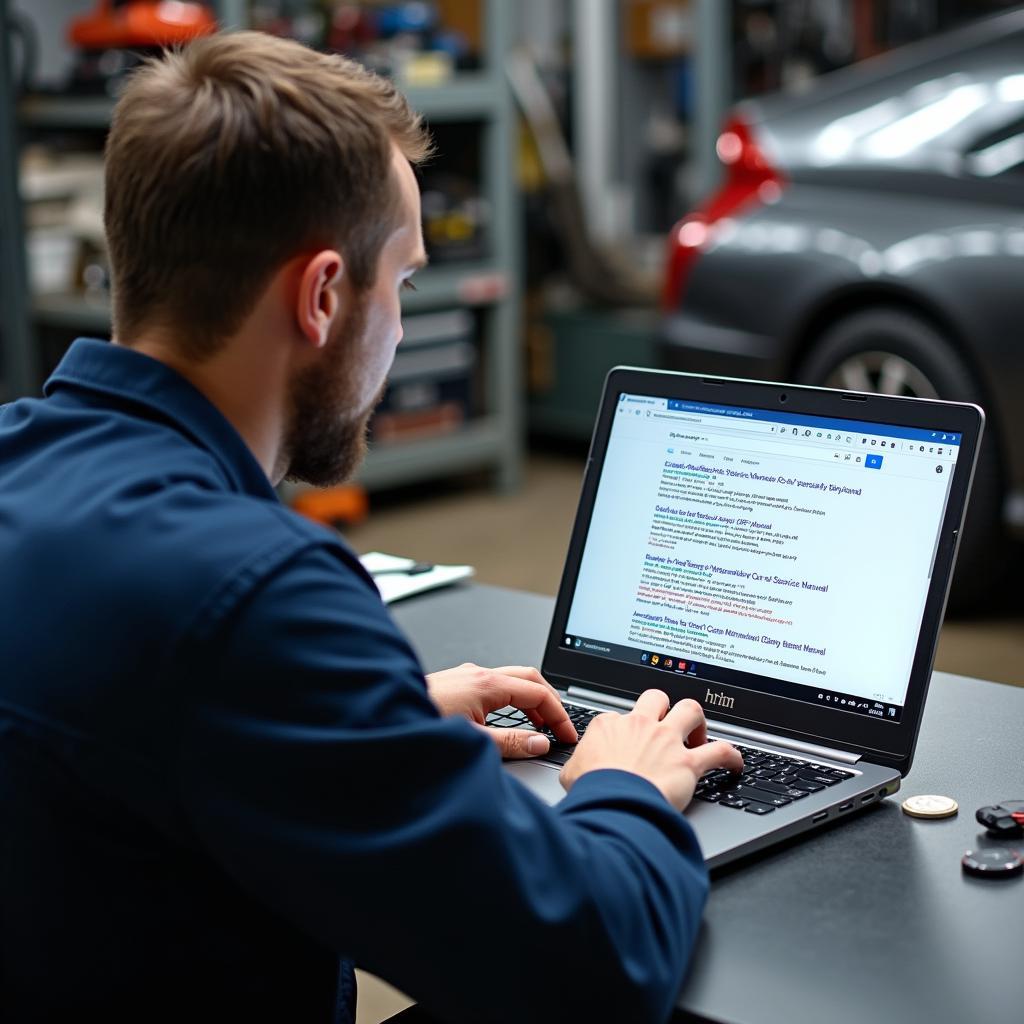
(786, 449)
(731, 426)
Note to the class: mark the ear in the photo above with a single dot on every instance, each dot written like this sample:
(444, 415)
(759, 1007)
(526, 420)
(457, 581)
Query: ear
(317, 300)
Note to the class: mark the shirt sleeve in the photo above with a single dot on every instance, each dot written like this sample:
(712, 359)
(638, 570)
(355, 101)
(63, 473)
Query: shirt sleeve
(318, 773)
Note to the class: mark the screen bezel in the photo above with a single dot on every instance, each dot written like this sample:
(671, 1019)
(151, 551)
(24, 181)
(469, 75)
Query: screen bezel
(881, 742)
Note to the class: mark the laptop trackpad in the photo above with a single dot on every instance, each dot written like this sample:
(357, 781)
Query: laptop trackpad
(540, 779)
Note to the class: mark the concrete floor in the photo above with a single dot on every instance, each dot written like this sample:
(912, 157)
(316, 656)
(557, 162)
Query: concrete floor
(520, 541)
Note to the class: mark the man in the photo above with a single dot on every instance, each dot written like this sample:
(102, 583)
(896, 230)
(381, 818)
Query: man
(223, 778)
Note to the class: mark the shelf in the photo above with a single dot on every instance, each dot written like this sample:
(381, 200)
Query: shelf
(73, 312)
(473, 284)
(469, 96)
(456, 284)
(83, 113)
(479, 444)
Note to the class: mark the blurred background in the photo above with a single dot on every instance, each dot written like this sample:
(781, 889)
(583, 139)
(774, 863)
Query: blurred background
(828, 191)
(825, 191)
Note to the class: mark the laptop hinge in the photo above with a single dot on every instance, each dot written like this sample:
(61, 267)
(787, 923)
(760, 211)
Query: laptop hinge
(811, 749)
(582, 693)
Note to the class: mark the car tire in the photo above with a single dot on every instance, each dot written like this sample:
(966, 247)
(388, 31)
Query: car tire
(852, 354)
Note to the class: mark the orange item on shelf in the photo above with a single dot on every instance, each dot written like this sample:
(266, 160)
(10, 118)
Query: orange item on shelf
(333, 505)
(141, 23)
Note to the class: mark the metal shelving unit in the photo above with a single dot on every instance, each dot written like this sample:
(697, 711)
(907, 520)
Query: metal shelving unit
(470, 96)
(474, 284)
(492, 286)
(79, 113)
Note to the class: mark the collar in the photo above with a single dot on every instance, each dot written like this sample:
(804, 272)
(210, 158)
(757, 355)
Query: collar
(103, 368)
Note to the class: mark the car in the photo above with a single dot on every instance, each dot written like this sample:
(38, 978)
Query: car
(869, 235)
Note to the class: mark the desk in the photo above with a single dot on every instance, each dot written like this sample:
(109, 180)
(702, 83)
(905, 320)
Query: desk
(869, 920)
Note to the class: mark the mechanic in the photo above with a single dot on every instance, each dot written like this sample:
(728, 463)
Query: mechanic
(224, 779)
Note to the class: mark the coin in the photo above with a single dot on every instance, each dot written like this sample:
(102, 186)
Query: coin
(930, 806)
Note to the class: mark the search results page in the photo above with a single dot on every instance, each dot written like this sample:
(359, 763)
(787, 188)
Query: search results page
(787, 546)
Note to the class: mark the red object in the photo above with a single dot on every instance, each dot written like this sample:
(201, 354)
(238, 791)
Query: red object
(750, 178)
(352, 29)
(141, 23)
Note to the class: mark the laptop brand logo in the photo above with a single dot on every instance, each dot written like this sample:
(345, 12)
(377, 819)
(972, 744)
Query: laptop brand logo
(719, 700)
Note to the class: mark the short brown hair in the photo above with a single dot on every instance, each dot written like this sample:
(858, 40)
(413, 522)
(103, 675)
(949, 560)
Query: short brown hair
(233, 155)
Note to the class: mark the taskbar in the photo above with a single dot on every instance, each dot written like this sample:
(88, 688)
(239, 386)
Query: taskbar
(684, 667)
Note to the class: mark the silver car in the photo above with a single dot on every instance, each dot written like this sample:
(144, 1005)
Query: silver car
(869, 235)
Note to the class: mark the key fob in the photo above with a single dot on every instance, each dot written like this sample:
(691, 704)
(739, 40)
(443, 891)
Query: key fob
(1003, 820)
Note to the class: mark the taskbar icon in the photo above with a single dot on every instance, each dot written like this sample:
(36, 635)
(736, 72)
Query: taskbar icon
(668, 663)
(846, 702)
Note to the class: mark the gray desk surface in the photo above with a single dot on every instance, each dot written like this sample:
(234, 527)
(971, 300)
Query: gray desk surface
(870, 920)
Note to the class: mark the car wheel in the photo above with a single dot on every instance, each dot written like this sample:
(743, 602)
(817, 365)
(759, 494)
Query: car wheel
(891, 351)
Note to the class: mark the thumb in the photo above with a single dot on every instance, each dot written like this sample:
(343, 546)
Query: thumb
(519, 743)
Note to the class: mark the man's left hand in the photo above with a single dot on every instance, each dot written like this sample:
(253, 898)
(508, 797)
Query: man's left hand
(475, 692)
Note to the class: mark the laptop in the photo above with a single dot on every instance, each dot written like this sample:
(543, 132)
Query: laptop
(781, 554)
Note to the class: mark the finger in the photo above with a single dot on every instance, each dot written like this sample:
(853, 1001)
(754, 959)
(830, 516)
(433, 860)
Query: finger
(688, 717)
(651, 704)
(519, 743)
(535, 718)
(531, 675)
(539, 697)
(716, 755)
(567, 734)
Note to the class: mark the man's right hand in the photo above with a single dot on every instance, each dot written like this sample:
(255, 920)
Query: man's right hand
(650, 742)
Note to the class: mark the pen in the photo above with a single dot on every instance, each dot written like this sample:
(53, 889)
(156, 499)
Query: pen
(416, 569)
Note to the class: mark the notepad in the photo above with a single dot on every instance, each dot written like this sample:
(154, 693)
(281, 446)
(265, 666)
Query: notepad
(394, 586)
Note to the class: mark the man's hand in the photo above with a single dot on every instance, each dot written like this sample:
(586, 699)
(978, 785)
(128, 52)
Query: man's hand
(475, 692)
(650, 742)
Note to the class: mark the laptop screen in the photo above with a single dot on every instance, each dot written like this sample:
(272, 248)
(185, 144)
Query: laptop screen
(781, 552)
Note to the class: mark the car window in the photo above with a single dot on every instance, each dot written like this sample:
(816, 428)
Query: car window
(998, 153)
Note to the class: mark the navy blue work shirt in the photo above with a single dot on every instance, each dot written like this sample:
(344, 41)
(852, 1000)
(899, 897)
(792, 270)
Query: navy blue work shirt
(222, 781)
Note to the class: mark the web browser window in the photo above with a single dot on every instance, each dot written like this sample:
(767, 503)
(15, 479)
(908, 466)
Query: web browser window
(787, 553)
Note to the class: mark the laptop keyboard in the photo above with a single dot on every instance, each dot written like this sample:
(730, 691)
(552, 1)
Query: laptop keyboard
(513, 718)
(769, 780)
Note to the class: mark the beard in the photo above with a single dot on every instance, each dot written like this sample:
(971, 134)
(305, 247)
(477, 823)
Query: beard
(326, 437)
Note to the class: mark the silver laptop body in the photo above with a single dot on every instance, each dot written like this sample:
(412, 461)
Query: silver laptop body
(725, 834)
